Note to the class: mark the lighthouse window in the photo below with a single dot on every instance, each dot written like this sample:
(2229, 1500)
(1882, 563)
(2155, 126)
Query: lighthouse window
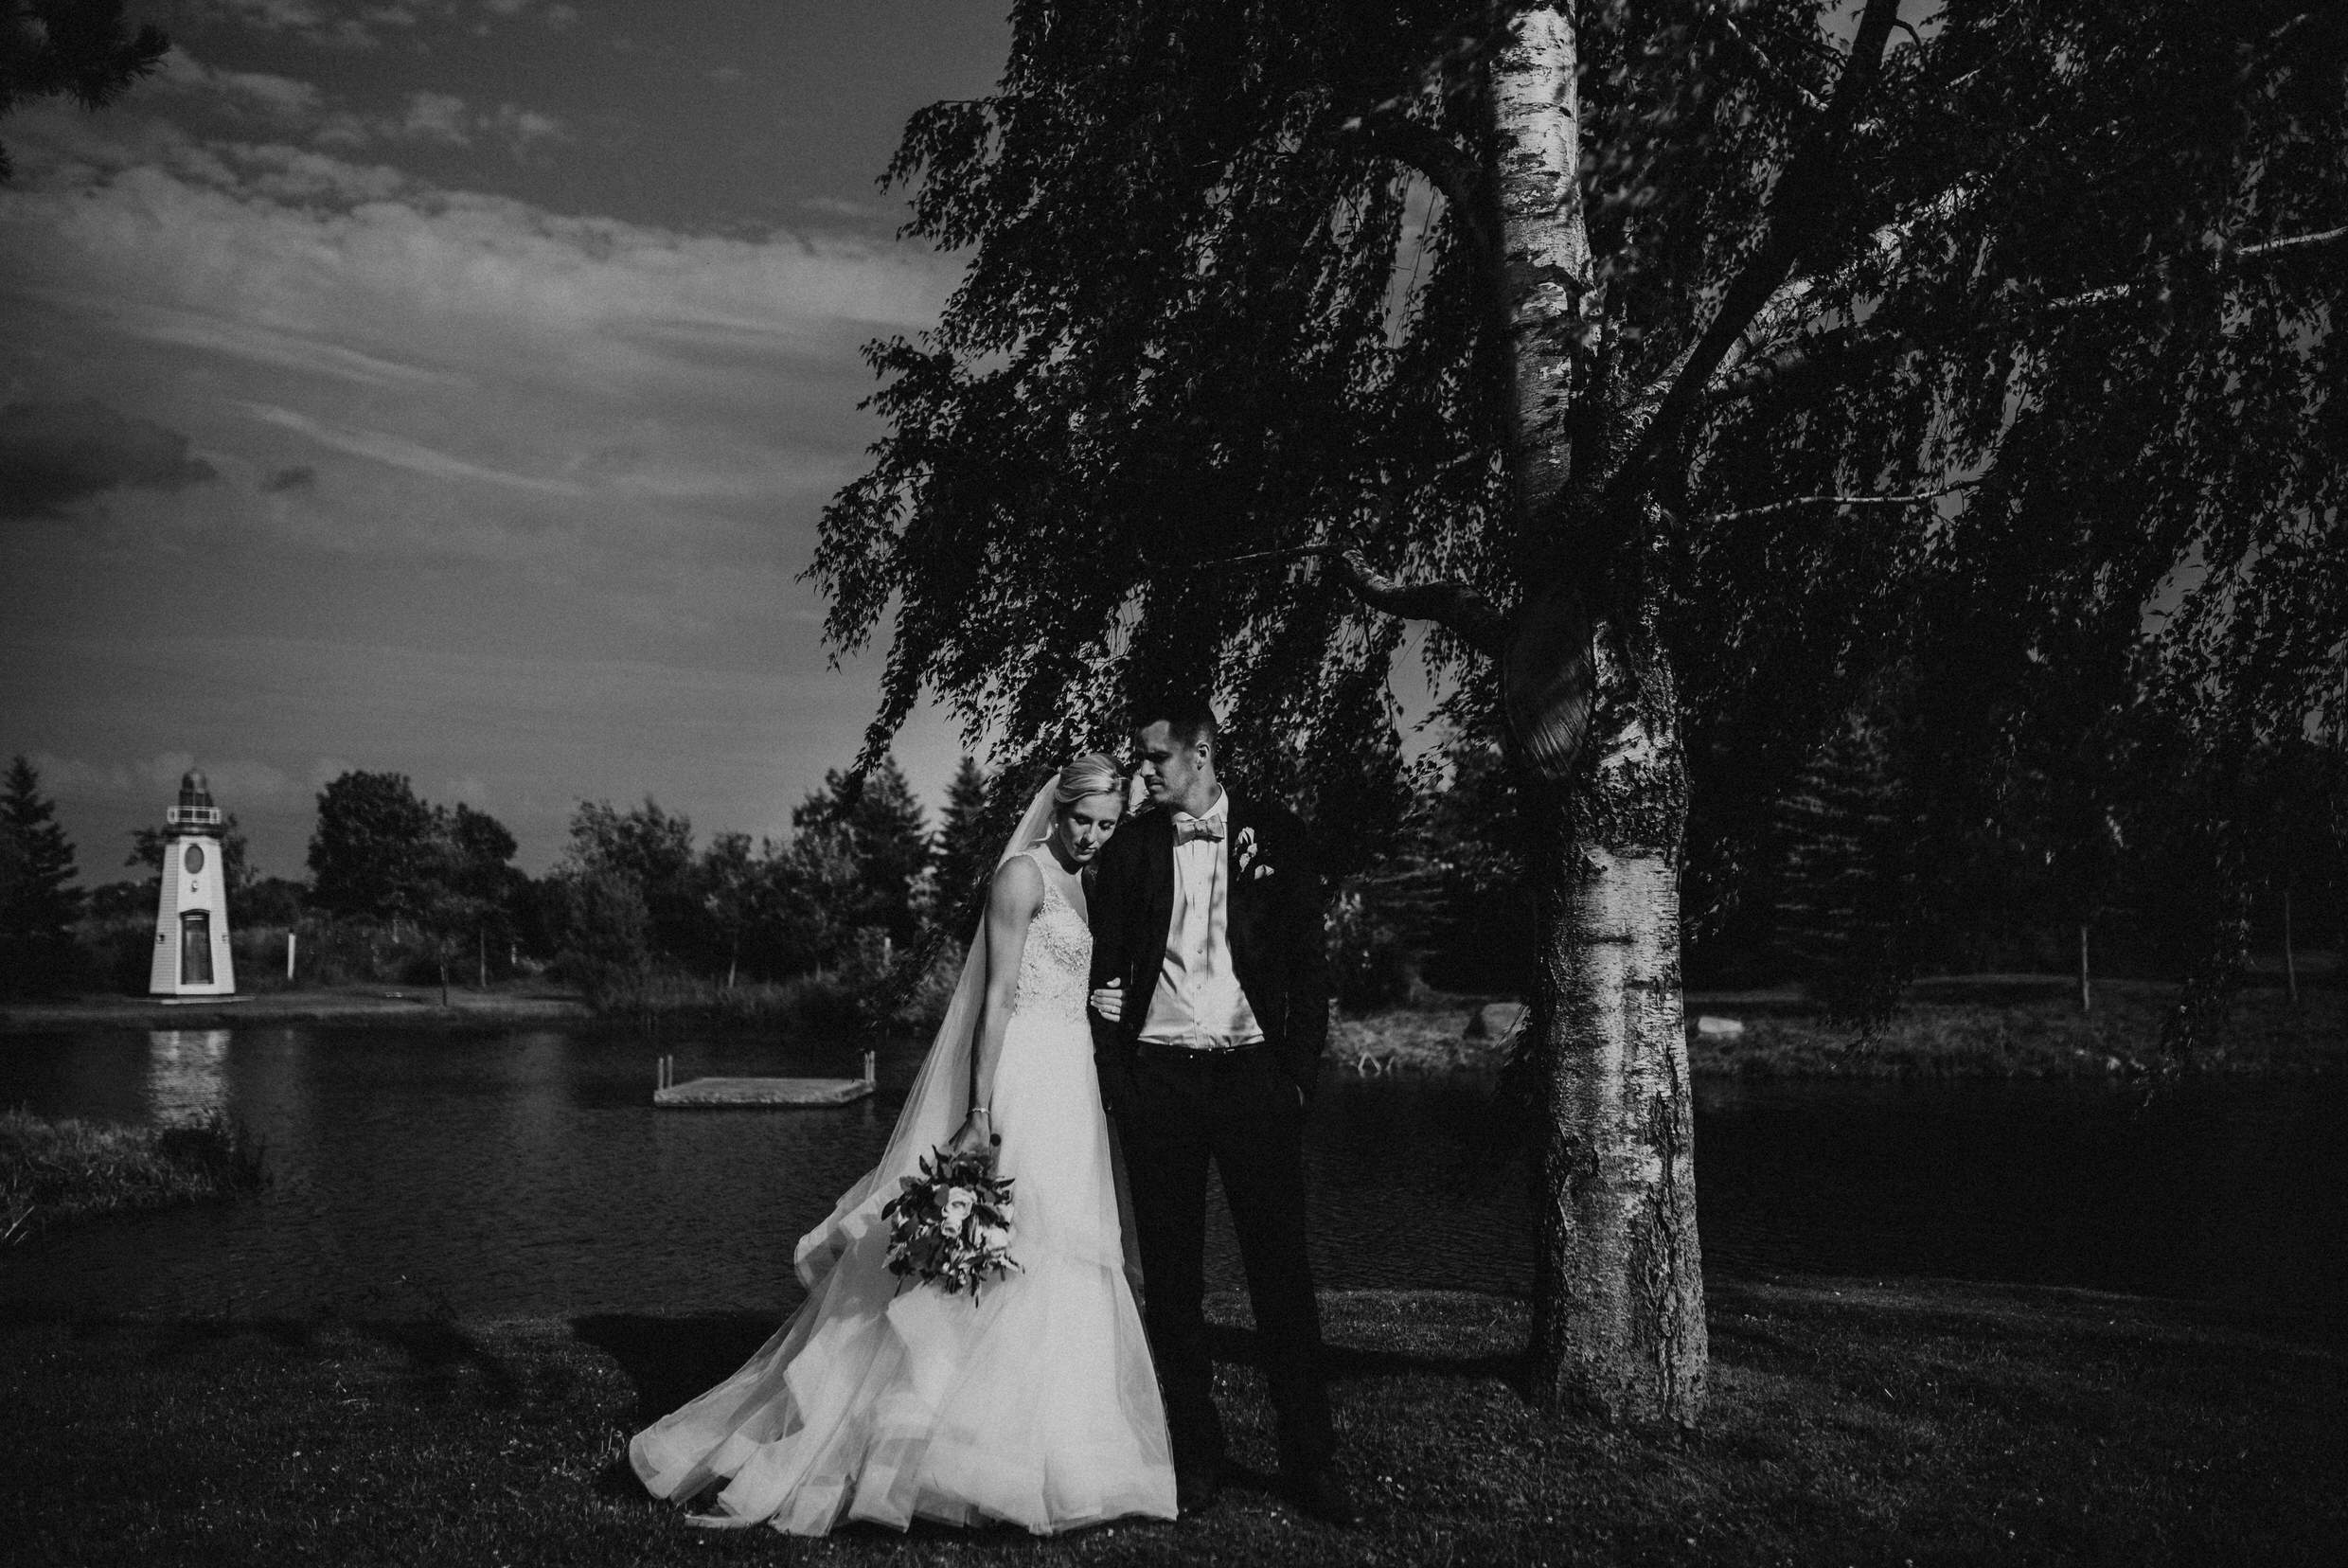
(195, 858)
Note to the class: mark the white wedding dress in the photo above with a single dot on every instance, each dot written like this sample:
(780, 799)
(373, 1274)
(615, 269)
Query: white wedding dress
(1035, 1405)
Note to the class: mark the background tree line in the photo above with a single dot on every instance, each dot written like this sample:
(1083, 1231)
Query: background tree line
(1845, 877)
(400, 889)
(1852, 874)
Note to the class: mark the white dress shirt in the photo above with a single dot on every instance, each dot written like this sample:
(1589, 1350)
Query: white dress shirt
(1198, 1001)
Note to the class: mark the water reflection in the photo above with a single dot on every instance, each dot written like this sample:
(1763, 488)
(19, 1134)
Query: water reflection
(186, 1074)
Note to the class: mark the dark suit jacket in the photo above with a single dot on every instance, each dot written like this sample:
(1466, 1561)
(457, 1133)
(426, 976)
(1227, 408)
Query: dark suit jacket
(1276, 933)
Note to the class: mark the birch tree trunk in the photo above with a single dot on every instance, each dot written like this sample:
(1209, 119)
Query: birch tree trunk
(1619, 1311)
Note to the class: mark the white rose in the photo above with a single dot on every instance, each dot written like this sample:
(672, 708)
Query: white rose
(956, 1206)
(994, 1238)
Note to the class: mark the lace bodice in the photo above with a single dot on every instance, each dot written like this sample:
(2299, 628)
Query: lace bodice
(1056, 967)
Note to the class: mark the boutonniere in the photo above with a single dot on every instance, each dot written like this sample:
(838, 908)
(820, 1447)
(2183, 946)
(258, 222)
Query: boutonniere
(1246, 847)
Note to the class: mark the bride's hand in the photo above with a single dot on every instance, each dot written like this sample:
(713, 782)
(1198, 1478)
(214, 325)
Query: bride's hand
(1110, 1001)
(976, 1133)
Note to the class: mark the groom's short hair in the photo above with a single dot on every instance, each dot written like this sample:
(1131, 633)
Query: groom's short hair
(1188, 720)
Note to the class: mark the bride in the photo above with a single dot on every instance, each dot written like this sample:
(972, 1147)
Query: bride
(1035, 1404)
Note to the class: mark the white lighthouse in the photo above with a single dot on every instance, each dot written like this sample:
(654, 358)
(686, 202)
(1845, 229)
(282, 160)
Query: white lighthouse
(191, 917)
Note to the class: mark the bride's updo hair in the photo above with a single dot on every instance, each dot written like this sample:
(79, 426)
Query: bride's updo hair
(1088, 775)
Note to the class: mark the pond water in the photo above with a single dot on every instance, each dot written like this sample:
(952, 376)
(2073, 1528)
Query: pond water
(527, 1173)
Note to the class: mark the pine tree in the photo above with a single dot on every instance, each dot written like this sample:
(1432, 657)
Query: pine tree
(80, 49)
(888, 839)
(1844, 906)
(37, 901)
(962, 852)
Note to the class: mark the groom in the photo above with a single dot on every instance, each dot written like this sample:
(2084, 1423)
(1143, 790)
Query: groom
(1210, 1010)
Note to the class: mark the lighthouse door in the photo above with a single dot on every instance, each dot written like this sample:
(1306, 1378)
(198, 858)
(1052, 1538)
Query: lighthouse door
(195, 948)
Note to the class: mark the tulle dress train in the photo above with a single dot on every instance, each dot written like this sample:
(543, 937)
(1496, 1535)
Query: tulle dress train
(1037, 1405)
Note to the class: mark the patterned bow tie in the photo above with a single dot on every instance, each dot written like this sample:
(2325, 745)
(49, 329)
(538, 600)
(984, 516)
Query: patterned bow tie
(1188, 827)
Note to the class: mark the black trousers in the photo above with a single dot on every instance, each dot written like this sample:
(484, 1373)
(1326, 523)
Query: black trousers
(1240, 1111)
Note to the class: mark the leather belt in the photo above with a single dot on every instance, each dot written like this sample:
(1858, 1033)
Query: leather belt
(1218, 1050)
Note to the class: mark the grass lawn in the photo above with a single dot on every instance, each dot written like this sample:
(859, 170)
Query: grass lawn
(1850, 1423)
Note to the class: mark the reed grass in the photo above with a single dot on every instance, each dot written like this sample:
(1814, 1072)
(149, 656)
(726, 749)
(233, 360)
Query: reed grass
(61, 1172)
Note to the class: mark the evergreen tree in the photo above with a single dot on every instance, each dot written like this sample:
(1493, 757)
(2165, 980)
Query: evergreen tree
(885, 838)
(77, 48)
(964, 852)
(39, 902)
(1846, 897)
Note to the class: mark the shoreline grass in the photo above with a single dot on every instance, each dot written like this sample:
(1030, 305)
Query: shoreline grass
(1992, 1026)
(1850, 1421)
(55, 1173)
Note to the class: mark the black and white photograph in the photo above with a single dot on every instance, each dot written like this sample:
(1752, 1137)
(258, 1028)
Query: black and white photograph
(1167, 782)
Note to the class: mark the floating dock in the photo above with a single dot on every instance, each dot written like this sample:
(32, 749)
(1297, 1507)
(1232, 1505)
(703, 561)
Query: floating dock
(706, 1091)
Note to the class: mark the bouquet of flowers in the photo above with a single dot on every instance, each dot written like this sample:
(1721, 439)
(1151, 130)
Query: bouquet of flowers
(950, 1226)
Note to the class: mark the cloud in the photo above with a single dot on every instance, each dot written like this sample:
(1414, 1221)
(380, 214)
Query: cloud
(235, 780)
(435, 116)
(522, 129)
(402, 452)
(313, 23)
(620, 417)
(53, 454)
(255, 93)
(449, 264)
(265, 344)
(297, 176)
(284, 105)
(441, 119)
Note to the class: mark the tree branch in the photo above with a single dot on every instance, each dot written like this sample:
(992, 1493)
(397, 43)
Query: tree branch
(1454, 606)
(1776, 319)
(1747, 514)
(1447, 165)
(2276, 247)
(1740, 377)
(1812, 352)
(1796, 208)
(2264, 250)
(1769, 68)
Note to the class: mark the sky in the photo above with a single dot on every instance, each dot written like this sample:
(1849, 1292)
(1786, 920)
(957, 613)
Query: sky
(451, 388)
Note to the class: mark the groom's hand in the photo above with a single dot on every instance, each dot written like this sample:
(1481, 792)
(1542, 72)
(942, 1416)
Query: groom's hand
(1110, 1001)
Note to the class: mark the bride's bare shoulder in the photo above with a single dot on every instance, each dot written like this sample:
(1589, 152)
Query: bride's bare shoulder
(1018, 887)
